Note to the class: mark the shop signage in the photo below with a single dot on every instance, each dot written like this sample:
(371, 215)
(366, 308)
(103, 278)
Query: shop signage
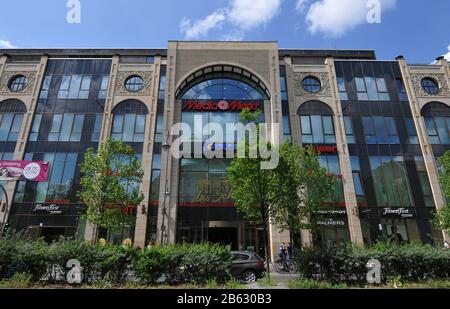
(403, 213)
(331, 222)
(325, 149)
(335, 212)
(52, 209)
(220, 106)
(23, 170)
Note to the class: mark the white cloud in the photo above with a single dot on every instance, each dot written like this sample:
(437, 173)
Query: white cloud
(199, 28)
(249, 14)
(242, 15)
(300, 6)
(336, 17)
(6, 44)
(447, 55)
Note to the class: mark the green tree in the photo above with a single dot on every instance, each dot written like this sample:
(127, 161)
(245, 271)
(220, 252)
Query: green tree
(442, 218)
(110, 185)
(301, 186)
(251, 185)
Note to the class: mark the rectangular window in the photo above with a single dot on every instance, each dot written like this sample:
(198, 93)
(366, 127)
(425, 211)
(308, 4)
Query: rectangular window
(331, 164)
(103, 87)
(75, 87)
(391, 182)
(283, 88)
(64, 87)
(382, 90)
(424, 181)
(349, 130)
(412, 134)
(45, 87)
(403, 96)
(97, 128)
(35, 129)
(162, 88)
(438, 131)
(342, 89)
(129, 128)
(66, 127)
(380, 130)
(317, 130)
(85, 87)
(61, 174)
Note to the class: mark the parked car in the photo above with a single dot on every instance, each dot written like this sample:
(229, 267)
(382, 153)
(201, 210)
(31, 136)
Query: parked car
(247, 266)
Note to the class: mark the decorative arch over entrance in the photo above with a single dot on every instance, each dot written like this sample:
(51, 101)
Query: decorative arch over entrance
(223, 72)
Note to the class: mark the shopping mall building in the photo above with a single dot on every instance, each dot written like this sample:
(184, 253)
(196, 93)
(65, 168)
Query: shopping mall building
(380, 126)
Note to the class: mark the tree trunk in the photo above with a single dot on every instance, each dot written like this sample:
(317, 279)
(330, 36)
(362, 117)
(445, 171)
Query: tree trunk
(266, 247)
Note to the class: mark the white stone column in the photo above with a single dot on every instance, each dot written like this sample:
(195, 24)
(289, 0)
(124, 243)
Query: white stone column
(424, 142)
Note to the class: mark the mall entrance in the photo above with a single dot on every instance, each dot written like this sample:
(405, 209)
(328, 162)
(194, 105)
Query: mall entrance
(224, 236)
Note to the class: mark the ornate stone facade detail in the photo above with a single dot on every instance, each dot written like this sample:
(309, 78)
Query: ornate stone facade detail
(6, 79)
(122, 76)
(440, 78)
(324, 80)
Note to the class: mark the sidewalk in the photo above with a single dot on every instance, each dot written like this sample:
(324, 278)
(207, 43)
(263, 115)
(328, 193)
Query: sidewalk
(281, 280)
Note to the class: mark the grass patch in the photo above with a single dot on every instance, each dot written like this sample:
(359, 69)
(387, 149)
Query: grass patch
(18, 281)
(267, 282)
(234, 285)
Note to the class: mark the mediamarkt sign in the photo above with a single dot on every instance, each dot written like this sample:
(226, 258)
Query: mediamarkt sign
(220, 105)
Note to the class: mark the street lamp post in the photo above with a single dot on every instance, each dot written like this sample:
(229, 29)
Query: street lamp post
(166, 146)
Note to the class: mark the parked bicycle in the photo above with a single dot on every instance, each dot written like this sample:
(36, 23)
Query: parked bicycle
(289, 266)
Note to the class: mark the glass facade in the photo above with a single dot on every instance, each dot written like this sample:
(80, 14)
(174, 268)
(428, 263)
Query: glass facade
(206, 211)
(67, 122)
(387, 164)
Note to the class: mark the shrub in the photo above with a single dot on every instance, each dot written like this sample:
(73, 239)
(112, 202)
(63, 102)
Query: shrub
(8, 253)
(197, 264)
(410, 262)
(33, 258)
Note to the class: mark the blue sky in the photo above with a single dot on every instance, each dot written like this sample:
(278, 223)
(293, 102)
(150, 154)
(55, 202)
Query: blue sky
(418, 29)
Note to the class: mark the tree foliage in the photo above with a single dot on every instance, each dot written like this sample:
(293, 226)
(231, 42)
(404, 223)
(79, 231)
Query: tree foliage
(301, 186)
(251, 185)
(110, 184)
(442, 219)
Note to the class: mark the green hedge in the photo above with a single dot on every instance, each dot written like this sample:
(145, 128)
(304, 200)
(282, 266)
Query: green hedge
(410, 262)
(184, 264)
(175, 264)
(41, 260)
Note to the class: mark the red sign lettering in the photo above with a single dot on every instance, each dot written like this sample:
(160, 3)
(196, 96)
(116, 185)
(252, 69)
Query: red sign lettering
(325, 149)
(211, 105)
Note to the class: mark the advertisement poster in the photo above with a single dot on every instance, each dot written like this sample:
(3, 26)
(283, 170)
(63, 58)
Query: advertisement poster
(24, 170)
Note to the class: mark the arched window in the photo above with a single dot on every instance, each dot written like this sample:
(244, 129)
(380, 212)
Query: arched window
(222, 89)
(224, 85)
(129, 121)
(220, 82)
(316, 122)
(11, 116)
(437, 122)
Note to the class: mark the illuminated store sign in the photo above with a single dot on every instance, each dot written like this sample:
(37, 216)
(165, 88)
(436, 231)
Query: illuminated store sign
(325, 149)
(220, 106)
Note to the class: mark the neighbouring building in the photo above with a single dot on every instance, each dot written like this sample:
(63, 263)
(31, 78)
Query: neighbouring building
(379, 125)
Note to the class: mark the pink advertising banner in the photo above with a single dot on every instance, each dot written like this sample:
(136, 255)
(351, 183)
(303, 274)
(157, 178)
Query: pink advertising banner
(24, 170)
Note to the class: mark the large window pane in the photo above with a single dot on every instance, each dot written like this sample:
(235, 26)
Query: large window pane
(317, 130)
